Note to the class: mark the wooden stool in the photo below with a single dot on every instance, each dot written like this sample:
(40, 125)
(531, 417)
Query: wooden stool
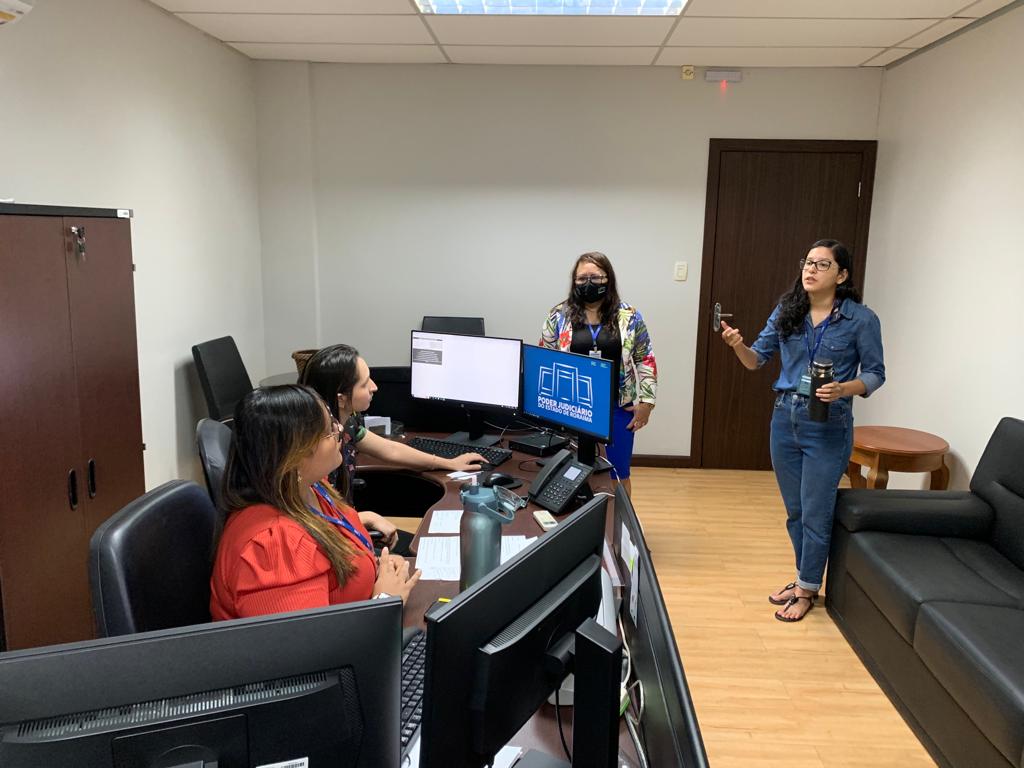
(885, 449)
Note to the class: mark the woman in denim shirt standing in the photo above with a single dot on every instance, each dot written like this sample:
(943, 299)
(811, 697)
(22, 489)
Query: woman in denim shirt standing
(820, 318)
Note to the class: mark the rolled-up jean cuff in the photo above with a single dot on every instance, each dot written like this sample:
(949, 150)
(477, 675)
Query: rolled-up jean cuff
(808, 586)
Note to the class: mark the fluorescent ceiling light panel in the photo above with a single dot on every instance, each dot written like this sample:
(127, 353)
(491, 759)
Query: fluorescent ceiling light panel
(554, 7)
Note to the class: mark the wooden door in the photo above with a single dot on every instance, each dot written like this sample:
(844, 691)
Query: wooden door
(45, 600)
(101, 295)
(767, 201)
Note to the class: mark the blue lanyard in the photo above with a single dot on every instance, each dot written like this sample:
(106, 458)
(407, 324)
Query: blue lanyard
(812, 354)
(338, 520)
(594, 334)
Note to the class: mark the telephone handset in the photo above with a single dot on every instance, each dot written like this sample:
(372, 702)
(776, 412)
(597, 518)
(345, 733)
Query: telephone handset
(557, 484)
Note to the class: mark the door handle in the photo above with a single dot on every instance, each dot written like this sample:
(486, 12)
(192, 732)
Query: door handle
(72, 490)
(78, 240)
(716, 324)
(90, 480)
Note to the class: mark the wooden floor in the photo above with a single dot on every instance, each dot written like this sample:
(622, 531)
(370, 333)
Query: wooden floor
(766, 693)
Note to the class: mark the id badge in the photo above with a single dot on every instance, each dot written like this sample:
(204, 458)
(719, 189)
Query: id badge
(805, 385)
(595, 352)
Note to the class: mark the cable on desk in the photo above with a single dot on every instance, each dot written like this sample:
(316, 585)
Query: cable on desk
(561, 734)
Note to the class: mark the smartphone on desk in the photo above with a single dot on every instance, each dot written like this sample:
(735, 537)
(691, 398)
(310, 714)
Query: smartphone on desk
(557, 484)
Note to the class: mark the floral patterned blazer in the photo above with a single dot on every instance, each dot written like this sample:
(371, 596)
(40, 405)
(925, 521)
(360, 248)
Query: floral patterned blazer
(638, 373)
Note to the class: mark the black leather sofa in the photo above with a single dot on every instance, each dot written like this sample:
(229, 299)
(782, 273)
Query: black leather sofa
(928, 588)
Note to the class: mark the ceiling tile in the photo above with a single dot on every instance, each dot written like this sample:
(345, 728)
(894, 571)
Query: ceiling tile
(888, 57)
(939, 31)
(292, 6)
(355, 54)
(511, 54)
(984, 8)
(549, 30)
(834, 9)
(868, 33)
(282, 28)
(767, 57)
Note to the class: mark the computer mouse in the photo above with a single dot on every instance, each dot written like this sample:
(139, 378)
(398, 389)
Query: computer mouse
(500, 478)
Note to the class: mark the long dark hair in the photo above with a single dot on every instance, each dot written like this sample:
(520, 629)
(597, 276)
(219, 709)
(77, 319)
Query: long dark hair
(274, 429)
(608, 310)
(795, 303)
(332, 371)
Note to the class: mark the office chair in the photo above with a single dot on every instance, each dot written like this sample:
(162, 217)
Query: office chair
(222, 375)
(470, 326)
(150, 562)
(213, 439)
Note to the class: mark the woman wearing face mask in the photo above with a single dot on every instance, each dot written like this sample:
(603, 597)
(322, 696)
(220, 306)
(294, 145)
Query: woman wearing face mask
(290, 541)
(821, 317)
(593, 321)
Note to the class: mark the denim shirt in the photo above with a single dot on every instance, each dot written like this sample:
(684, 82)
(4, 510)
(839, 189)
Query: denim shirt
(852, 340)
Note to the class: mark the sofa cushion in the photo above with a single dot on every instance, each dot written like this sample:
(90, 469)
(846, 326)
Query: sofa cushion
(900, 572)
(976, 653)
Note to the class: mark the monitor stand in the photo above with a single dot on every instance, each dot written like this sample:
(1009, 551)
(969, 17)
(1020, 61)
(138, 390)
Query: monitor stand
(474, 436)
(595, 730)
(586, 453)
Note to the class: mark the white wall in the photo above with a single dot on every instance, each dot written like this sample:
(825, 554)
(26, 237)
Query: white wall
(114, 103)
(944, 269)
(471, 190)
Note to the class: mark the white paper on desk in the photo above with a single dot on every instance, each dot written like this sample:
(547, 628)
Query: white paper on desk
(412, 760)
(628, 552)
(438, 558)
(462, 475)
(609, 565)
(506, 757)
(513, 545)
(445, 521)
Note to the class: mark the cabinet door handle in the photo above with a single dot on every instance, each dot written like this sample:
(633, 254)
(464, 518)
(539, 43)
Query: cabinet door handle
(91, 479)
(73, 489)
(78, 240)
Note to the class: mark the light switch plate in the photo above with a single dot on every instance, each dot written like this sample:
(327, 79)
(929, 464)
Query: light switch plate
(679, 275)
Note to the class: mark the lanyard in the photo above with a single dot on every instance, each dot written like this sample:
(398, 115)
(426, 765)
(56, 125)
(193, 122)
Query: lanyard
(338, 520)
(812, 353)
(594, 334)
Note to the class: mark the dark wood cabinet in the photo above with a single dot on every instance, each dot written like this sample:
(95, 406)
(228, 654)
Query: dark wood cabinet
(70, 422)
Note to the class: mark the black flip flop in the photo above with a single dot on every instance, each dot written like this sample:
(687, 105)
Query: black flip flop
(774, 601)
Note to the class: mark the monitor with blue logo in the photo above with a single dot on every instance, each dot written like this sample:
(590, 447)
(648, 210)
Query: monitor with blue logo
(569, 391)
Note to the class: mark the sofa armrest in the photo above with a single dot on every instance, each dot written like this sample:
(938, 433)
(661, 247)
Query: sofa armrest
(958, 514)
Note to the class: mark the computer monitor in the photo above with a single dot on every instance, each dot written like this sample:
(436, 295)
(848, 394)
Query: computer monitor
(478, 372)
(317, 687)
(470, 326)
(498, 649)
(572, 392)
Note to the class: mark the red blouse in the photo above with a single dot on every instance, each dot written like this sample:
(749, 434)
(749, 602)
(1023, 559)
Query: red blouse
(268, 563)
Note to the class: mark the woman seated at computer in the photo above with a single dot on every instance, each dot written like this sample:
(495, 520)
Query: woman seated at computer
(342, 378)
(593, 321)
(290, 541)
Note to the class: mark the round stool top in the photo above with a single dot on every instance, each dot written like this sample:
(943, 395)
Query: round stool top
(897, 440)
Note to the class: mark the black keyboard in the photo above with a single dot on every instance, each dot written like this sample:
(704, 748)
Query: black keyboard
(414, 656)
(447, 449)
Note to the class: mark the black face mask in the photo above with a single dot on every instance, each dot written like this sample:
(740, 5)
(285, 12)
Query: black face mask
(589, 293)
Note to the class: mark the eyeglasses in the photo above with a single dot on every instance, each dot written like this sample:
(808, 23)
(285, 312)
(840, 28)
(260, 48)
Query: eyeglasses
(335, 432)
(595, 279)
(821, 265)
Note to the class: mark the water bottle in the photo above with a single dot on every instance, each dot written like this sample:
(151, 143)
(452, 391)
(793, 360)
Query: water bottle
(822, 373)
(480, 533)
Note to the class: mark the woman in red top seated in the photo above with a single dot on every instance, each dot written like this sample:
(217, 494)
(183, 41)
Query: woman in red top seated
(290, 542)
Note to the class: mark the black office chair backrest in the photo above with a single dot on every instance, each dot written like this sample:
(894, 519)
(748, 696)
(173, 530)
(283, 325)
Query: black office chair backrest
(471, 326)
(150, 562)
(214, 441)
(222, 375)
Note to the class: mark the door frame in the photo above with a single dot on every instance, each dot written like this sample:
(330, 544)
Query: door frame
(868, 149)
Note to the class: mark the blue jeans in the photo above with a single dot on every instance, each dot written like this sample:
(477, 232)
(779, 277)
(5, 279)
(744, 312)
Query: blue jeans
(809, 458)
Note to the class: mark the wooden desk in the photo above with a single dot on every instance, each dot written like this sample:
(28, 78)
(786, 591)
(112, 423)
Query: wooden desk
(541, 731)
(894, 449)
